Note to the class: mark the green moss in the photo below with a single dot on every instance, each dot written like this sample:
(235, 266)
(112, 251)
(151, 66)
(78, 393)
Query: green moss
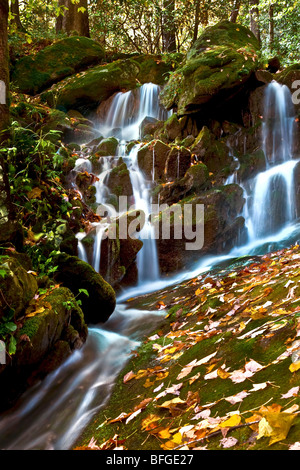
(63, 58)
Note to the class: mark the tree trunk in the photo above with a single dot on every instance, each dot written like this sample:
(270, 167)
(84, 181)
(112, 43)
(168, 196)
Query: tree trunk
(235, 11)
(15, 12)
(168, 27)
(72, 20)
(254, 18)
(6, 224)
(197, 20)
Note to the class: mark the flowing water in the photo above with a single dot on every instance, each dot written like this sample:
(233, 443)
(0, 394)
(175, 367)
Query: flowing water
(54, 413)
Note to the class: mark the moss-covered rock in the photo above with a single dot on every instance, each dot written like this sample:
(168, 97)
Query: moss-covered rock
(152, 159)
(288, 77)
(34, 73)
(177, 163)
(52, 326)
(76, 274)
(17, 286)
(251, 165)
(217, 66)
(108, 147)
(119, 181)
(200, 177)
(94, 85)
(213, 153)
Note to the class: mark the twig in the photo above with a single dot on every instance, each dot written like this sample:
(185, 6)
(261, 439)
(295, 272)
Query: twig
(216, 433)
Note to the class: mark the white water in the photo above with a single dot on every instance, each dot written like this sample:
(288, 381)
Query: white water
(52, 415)
(128, 110)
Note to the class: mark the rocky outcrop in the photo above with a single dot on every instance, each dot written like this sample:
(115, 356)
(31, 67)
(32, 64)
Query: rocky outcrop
(152, 159)
(213, 153)
(222, 225)
(216, 69)
(34, 73)
(39, 330)
(76, 274)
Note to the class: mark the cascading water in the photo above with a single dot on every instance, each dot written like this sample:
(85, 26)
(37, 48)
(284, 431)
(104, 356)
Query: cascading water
(128, 110)
(52, 415)
(273, 204)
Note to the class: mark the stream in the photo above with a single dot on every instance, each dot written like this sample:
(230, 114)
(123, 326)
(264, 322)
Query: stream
(53, 414)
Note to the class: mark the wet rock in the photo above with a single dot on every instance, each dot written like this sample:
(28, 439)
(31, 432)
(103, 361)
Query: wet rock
(216, 69)
(213, 153)
(93, 86)
(251, 165)
(152, 157)
(54, 328)
(34, 73)
(290, 77)
(17, 286)
(221, 227)
(76, 274)
(177, 163)
(119, 181)
(107, 147)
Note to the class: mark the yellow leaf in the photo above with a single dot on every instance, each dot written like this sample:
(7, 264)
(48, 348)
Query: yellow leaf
(164, 434)
(295, 366)
(264, 429)
(170, 403)
(150, 422)
(148, 383)
(234, 420)
(222, 374)
(35, 193)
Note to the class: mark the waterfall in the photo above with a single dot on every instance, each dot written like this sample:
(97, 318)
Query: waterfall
(128, 110)
(273, 204)
(125, 114)
(147, 259)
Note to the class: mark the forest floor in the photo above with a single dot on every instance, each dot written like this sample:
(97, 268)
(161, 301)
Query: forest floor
(222, 371)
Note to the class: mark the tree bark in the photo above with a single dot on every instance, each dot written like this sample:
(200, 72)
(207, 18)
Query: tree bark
(168, 27)
(15, 11)
(6, 224)
(197, 20)
(254, 18)
(235, 11)
(72, 20)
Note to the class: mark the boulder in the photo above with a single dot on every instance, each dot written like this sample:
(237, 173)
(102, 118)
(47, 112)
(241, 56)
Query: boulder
(76, 274)
(216, 69)
(177, 163)
(107, 147)
(34, 73)
(152, 157)
(251, 165)
(17, 286)
(213, 153)
(94, 85)
(51, 328)
(291, 78)
(118, 181)
(222, 225)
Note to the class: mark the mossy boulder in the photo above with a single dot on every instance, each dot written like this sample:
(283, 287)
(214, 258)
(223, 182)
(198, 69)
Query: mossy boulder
(154, 68)
(213, 153)
(219, 63)
(220, 226)
(177, 163)
(200, 177)
(152, 159)
(119, 181)
(52, 326)
(76, 274)
(34, 73)
(17, 286)
(107, 147)
(251, 165)
(94, 85)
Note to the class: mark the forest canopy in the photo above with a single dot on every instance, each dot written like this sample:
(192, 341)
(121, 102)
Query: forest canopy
(154, 27)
